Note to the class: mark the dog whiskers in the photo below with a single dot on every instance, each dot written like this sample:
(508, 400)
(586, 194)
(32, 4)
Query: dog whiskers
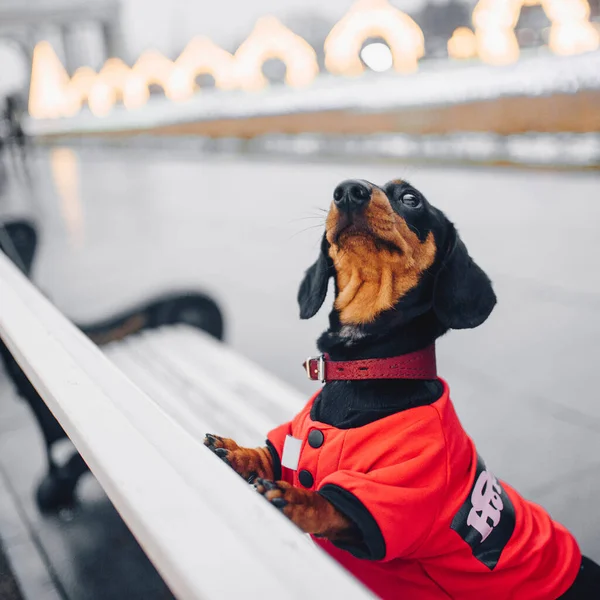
(308, 217)
(320, 225)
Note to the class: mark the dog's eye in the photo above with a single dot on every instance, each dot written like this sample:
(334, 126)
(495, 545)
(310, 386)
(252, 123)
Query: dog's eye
(411, 200)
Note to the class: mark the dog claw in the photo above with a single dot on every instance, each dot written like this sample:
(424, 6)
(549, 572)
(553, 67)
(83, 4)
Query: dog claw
(260, 485)
(279, 503)
(210, 440)
(222, 454)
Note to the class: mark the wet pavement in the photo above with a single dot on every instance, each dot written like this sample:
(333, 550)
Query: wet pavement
(118, 227)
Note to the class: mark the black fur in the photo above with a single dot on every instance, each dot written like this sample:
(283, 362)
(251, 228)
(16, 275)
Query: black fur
(463, 296)
(313, 288)
(454, 293)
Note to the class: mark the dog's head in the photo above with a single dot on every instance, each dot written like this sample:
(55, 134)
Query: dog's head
(394, 255)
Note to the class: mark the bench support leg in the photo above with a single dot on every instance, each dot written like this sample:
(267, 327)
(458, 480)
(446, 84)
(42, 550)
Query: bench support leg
(57, 489)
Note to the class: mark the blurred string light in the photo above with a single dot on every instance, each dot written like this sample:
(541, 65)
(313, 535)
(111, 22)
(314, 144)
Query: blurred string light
(65, 175)
(200, 57)
(495, 22)
(49, 81)
(373, 19)
(53, 94)
(117, 82)
(462, 44)
(151, 68)
(271, 39)
(78, 90)
(113, 83)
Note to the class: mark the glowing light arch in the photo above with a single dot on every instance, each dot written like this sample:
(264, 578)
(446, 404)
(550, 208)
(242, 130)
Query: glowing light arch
(462, 44)
(200, 56)
(150, 68)
(78, 90)
(271, 39)
(373, 18)
(114, 82)
(495, 21)
(49, 81)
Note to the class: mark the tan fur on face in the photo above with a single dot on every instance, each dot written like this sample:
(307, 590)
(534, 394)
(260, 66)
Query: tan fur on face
(371, 276)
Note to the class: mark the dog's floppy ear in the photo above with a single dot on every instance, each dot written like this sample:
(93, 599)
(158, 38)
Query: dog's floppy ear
(313, 288)
(463, 297)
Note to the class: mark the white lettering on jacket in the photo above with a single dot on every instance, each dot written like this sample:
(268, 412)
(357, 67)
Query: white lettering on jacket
(487, 505)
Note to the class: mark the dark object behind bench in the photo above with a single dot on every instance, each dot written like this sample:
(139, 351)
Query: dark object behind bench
(57, 488)
(9, 588)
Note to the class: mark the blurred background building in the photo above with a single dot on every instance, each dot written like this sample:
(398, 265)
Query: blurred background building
(83, 61)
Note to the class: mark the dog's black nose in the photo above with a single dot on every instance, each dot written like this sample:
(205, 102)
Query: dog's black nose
(352, 195)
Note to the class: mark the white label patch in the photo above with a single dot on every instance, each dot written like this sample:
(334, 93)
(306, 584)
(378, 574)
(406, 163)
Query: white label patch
(291, 452)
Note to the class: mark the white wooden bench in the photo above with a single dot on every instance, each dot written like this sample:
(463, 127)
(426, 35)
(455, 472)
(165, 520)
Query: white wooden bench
(207, 532)
(205, 386)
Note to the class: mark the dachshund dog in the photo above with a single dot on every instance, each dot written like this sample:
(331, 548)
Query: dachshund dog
(377, 467)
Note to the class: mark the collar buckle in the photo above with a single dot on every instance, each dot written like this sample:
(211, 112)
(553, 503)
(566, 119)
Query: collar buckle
(315, 368)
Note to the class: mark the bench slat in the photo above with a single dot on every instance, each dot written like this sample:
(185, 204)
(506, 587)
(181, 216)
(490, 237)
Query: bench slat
(208, 533)
(163, 391)
(193, 366)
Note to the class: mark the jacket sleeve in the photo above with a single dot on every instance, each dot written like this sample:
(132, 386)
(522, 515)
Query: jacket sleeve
(393, 506)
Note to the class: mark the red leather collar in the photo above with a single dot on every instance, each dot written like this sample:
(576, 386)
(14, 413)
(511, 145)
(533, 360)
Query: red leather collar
(415, 365)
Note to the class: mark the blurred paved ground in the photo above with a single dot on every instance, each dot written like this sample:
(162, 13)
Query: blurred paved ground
(118, 227)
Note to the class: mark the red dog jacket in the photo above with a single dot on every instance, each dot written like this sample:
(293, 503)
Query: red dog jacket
(435, 522)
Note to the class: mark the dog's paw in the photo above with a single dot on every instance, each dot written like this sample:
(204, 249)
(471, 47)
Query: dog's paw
(279, 493)
(215, 442)
(222, 447)
(241, 460)
(308, 510)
